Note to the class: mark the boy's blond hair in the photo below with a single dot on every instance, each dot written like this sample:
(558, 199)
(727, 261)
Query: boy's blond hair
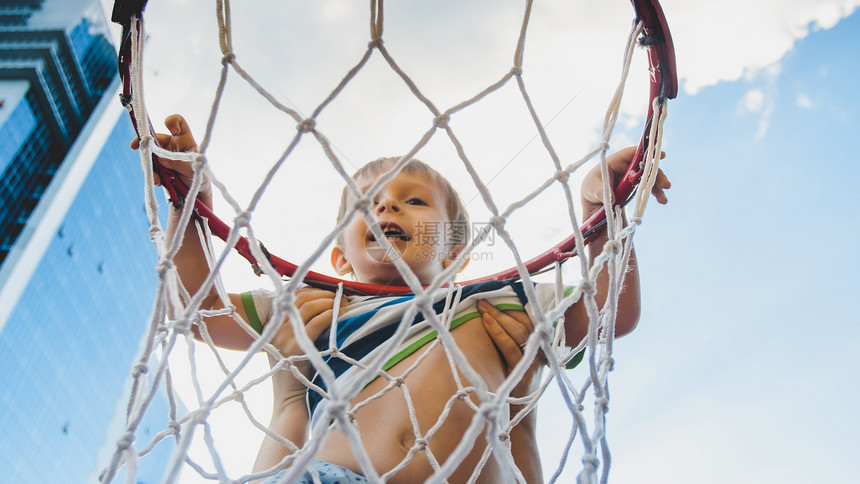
(458, 216)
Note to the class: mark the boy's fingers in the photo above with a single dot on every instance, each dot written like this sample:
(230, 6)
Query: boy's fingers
(659, 195)
(173, 123)
(181, 138)
(509, 349)
(311, 302)
(619, 160)
(663, 180)
(177, 125)
(178, 138)
(307, 294)
(318, 324)
(661, 184)
(522, 318)
(518, 330)
(165, 141)
(313, 292)
(311, 309)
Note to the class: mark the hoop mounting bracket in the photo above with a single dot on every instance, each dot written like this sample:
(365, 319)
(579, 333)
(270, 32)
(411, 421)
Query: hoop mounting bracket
(124, 9)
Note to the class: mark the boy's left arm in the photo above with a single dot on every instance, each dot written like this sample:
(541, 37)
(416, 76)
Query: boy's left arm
(627, 315)
(509, 330)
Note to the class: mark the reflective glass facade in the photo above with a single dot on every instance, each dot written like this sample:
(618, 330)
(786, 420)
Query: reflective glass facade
(61, 48)
(77, 274)
(17, 128)
(68, 345)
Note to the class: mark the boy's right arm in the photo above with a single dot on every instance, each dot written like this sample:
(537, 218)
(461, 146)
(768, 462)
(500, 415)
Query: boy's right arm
(314, 305)
(289, 414)
(190, 260)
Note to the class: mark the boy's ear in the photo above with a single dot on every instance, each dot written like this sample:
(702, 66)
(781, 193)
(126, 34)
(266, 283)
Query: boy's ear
(339, 263)
(452, 255)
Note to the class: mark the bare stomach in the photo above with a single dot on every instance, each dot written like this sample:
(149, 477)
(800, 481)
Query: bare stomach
(386, 428)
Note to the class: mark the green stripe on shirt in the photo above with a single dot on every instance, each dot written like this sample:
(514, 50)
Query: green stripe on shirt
(251, 312)
(397, 358)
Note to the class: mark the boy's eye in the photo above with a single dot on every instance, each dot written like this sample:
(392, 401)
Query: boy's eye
(415, 201)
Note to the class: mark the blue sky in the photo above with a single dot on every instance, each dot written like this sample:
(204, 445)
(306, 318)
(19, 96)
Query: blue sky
(742, 368)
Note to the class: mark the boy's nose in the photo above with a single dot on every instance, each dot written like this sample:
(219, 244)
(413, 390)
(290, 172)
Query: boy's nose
(387, 204)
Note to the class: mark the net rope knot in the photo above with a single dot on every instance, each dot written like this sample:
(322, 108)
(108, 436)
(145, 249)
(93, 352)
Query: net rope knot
(125, 441)
(602, 402)
(183, 326)
(588, 287)
(163, 267)
(543, 333)
(337, 407)
(199, 161)
(286, 300)
(590, 461)
(610, 362)
(363, 204)
(420, 444)
(613, 247)
(441, 121)
(307, 125)
(146, 139)
(517, 71)
(242, 218)
(562, 176)
(139, 369)
(498, 222)
(228, 58)
(285, 303)
(488, 411)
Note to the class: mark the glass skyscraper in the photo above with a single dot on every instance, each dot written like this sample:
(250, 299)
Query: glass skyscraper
(60, 51)
(76, 262)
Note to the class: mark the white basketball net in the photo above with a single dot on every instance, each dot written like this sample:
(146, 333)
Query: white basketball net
(491, 426)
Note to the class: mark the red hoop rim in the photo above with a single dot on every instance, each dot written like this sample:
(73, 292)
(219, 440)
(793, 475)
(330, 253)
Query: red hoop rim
(663, 86)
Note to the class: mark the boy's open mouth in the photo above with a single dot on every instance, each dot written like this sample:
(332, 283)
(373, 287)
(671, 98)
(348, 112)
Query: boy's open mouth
(391, 230)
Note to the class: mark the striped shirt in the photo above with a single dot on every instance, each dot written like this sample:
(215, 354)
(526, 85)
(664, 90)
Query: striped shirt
(367, 329)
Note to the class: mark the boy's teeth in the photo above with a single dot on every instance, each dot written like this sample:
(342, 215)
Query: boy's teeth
(394, 234)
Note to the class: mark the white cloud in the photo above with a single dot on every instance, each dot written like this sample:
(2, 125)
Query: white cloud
(803, 101)
(756, 101)
(720, 41)
(753, 101)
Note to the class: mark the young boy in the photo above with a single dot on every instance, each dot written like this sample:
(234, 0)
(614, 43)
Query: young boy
(490, 339)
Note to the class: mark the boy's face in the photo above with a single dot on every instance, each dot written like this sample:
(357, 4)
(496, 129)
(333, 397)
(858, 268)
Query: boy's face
(412, 212)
